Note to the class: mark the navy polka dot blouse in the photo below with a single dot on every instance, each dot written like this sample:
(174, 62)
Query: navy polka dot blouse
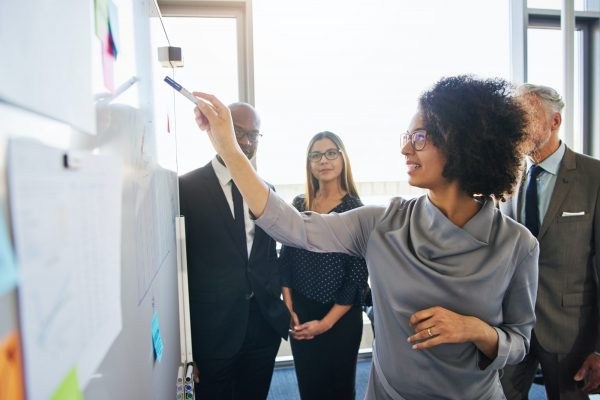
(325, 277)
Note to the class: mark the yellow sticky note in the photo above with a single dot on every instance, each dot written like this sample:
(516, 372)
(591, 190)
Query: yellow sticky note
(11, 373)
(69, 388)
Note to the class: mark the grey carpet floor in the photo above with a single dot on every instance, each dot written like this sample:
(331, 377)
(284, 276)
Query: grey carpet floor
(284, 385)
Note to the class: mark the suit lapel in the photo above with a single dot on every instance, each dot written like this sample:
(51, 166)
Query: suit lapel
(259, 237)
(214, 189)
(564, 181)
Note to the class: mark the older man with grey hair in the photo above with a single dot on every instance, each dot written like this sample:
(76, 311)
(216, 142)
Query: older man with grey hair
(559, 201)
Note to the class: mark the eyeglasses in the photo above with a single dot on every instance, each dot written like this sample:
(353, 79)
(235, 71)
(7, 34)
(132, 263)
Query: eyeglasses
(417, 139)
(331, 154)
(253, 136)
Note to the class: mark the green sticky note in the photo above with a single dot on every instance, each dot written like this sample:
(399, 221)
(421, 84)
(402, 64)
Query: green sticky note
(101, 18)
(69, 388)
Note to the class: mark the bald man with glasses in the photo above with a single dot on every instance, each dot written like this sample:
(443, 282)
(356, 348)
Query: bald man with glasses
(237, 315)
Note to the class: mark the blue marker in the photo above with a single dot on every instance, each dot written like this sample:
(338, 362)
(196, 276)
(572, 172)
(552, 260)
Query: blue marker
(181, 90)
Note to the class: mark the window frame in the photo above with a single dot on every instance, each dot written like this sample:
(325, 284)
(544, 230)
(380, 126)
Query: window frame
(242, 12)
(588, 22)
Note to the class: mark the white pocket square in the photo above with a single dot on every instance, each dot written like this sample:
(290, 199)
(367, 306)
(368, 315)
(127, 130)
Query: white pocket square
(572, 214)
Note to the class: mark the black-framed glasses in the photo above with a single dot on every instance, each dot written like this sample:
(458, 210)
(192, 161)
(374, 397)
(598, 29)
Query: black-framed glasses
(331, 154)
(417, 139)
(253, 136)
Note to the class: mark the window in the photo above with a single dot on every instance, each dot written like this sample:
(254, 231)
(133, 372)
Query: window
(215, 37)
(545, 66)
(209, 66)
(555, 4)
(357, 69)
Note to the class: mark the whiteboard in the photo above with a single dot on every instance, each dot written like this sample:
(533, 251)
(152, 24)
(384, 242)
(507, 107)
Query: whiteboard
(47, 91)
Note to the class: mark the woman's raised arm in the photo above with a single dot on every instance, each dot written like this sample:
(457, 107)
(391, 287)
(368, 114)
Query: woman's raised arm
(215, 118)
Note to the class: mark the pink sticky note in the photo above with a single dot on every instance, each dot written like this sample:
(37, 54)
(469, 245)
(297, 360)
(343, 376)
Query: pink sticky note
(108, 65)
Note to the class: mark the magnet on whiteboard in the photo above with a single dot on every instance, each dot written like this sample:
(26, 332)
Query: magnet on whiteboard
(170, 57)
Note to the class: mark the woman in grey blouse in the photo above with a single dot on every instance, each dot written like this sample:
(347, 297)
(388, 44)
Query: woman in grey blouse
(453, 281)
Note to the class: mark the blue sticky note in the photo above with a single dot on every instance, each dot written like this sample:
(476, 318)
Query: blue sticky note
(156, 339)
(8, 272)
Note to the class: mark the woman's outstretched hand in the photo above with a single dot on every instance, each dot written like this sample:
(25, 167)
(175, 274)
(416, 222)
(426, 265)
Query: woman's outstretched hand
(214, 117)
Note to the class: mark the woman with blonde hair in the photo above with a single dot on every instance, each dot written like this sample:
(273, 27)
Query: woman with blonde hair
(324, 291)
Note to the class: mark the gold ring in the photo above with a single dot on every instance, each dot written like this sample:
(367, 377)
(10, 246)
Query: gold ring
(429, 332)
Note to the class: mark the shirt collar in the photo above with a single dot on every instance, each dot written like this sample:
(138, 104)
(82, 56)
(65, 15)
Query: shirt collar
(221, 171)
(552, 163)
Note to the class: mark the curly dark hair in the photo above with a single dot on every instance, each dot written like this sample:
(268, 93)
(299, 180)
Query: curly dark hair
(479, 127)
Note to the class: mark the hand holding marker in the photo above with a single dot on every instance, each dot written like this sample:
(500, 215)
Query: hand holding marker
(181, 90)
(185, 93)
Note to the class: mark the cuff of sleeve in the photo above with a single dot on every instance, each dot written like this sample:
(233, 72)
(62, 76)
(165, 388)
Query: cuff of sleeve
(499, 362)
(349, 296)
(344, 299)
(285, 273)
(285, 281)
(271, 213)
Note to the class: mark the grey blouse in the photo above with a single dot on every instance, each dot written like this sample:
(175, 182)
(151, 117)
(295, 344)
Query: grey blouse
(417, 258)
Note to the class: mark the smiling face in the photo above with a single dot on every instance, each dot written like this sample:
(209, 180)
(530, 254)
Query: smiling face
(425, 166)
(325, 170)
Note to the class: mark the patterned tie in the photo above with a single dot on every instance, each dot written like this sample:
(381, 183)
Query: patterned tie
(238, 211)
(532, 213)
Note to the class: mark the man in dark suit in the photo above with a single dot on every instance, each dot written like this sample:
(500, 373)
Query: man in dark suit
(237, 316)
(559, 201)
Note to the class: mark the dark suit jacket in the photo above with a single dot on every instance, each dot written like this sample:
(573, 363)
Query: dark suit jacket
(219, 276)
(567, 301)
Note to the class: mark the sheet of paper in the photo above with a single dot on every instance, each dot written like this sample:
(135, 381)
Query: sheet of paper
(8, 272)
(155, 239)
(11, 375)
(67, 234)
